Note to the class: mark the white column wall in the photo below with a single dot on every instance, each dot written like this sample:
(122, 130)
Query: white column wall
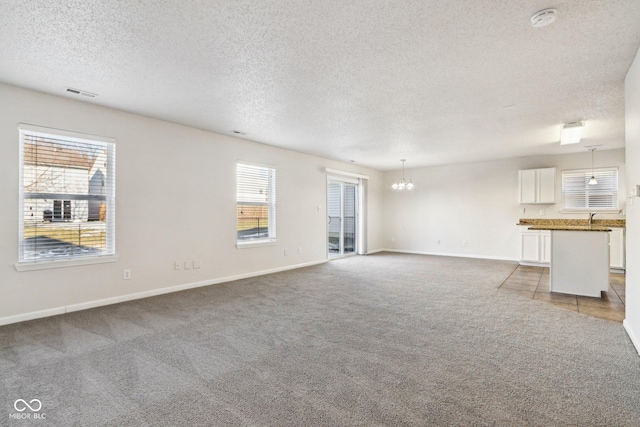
(632, 111)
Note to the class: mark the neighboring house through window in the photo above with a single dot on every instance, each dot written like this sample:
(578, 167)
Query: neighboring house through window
(256, 204)
(579, 195)
(67, 194)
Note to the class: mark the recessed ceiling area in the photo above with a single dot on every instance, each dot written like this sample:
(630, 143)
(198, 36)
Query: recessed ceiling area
(369, 81)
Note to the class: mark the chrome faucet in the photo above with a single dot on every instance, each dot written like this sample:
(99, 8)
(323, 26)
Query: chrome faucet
(591, 218)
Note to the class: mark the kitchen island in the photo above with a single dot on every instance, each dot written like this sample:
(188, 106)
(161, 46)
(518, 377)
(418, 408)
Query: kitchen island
(579, 259)
(580, 262)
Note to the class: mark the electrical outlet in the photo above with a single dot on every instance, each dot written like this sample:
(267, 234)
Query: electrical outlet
(177, 265)
(126, 274)
(187, 265)
(541, 212)
(522, 210)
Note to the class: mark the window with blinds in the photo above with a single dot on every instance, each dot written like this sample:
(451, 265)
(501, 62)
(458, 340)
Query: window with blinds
(578, 195)
(256, 203)
(67, 195)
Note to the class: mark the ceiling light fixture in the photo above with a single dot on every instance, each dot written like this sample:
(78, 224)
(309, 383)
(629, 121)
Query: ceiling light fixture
(402, 184)
(571, 133)
(592, 180)
(543, 18)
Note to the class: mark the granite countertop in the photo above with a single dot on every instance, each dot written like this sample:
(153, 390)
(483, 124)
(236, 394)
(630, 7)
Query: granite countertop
(570, 227)
(572, 224)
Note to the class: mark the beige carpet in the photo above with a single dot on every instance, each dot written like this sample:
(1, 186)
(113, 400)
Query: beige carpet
(386, 339)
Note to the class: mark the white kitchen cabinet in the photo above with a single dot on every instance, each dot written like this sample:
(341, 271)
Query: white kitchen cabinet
(530, 246)
(616, 248)
(535, 247)
(537, 186)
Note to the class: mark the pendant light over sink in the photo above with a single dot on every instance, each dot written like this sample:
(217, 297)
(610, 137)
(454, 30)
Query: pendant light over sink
(593, 180)
(402, 184)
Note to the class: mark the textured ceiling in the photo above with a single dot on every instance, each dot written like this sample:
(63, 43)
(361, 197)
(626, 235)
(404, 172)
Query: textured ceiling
(373, 81)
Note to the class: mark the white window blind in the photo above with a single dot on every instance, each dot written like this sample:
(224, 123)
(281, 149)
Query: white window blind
(256, 203)
(67, 195)
(578, 195)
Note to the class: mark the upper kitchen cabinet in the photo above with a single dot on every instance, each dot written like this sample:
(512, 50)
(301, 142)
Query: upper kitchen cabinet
(537, 186)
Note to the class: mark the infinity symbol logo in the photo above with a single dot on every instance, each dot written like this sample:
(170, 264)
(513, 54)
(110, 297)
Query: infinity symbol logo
(21, 403)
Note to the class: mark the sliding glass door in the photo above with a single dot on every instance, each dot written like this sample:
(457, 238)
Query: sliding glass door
(342, 205)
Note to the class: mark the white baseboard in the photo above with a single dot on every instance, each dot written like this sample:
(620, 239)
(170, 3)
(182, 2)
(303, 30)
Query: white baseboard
(375, 251)
(31, 315)
(535, 264)
(146, 294)
(546, 264)
(632, 335)
(402, 251)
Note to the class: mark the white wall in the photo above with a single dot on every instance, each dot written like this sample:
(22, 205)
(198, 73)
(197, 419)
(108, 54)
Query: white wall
(175, 201)
(476, 203)
(632, 111)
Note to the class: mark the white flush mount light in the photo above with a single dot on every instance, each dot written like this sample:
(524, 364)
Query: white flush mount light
(571, 133)
(403, 184)
(543, 18)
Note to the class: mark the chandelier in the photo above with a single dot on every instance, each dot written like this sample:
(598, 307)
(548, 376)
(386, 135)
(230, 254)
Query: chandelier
(402, 184)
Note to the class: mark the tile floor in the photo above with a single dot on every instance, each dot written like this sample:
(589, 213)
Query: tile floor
(533, 282)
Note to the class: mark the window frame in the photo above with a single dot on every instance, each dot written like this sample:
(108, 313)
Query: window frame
(271, 205)
(587, 174)
(109, 254)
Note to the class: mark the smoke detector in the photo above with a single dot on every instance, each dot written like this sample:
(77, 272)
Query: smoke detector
(543, 18)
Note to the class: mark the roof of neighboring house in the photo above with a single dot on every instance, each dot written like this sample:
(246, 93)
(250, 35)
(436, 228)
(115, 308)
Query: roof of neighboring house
(47, 153)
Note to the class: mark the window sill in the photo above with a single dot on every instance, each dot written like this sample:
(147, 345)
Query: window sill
(588, 211)
(255, 244)
(43, 265)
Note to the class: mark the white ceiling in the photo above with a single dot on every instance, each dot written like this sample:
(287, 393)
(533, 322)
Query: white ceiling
(367, 80)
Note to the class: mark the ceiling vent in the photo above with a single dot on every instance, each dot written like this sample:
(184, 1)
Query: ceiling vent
(544, 17)
(81, 92)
